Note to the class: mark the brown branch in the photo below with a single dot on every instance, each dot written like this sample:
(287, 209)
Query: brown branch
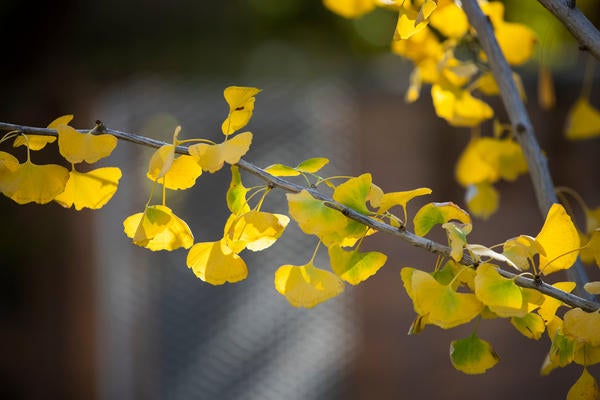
(519, 119)
(577, 23)
(402, 233)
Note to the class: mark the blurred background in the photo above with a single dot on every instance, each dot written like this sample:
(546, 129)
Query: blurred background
(85, 314)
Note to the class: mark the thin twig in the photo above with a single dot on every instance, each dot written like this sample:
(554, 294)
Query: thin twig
(274, 181)
(519, 119)
(577, 23)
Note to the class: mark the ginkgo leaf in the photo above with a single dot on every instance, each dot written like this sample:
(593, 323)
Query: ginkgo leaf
(530, 325)
(559, 238)
(182, 174)
(38, 142)
(313, 216)
(592, 247)
(584, 326)
(586, 354)
(472, 355)
(144, 226)
(350, 8)
(450, 20)
(407, 24)
(281, 170)
(312, 165)
(306, 286)
(457, 236)
(487, 85)
(91, 189)
(8, 163)
(487, 159)
(354, 192)
(583, 121)
(562, 350)
(254, 230)
(215, 263)
(161, 162)
(30, 182)
(500, 294)
(482, 199)
(425, 11)
(353, 266)
(458, 107)
(77, 147)
(236, 193)
(438, 213)
(158, 228)
(585, 388)
(401, 199)
(455, 274)
(548, 308)
(592, 287)
(480, 252)
(521, 249)
(241, 105)
(442, 305)
(375, 195)
(211, 157)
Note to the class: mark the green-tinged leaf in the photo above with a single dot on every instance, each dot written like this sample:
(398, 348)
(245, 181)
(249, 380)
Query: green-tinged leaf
(312, 165)
(531, 325)
(313, 216)
(442, 305)
(354, 267)
(457, 236)
(500, 294)
(236, 194)
(306, 286)
(353, 193)
(472, 355)
(401, 199)
(438, 213)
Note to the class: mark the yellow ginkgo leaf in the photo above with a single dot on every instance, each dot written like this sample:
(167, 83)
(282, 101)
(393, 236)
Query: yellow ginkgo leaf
(241, 105)
(215, 263)
(472, 355)
(521, 249)
(585, 388)
(354, 267)
(438, 213)
(143, 227)
(306, 286)
(531, 325)
(281, 170)
(254, 230)
(8, 163)
(392, 199)
(77, 147)
(38, 142)
(560, 241)
(354, 192)
(592, 287)
(487, 159)
(482, 199)
(442, 305)
(211, 157)
(583, 326)
(517, 42)
(375, 195)
(425, 11)
(30, 182)
(161, 162)
(458, 107)
(583, 121)
(500, 294)
(312, 165)
(91, 189)
(350, 8)
(183, 173)
(457, 237)
(548, 308)
(450, 20)
(407, 24)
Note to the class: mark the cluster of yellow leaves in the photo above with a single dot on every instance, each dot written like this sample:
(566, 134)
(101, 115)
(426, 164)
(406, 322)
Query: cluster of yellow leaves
(28, 182)
(432, 33)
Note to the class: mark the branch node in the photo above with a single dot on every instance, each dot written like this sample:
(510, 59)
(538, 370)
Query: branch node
(571, 4)
(520, 128)
(583, 47)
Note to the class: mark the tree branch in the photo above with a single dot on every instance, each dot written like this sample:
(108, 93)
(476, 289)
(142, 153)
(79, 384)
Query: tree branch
(519, 119)
(577, 23)
(409, 237)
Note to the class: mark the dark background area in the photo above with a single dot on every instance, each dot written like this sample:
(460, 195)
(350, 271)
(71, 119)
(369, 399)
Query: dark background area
(59, 57)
